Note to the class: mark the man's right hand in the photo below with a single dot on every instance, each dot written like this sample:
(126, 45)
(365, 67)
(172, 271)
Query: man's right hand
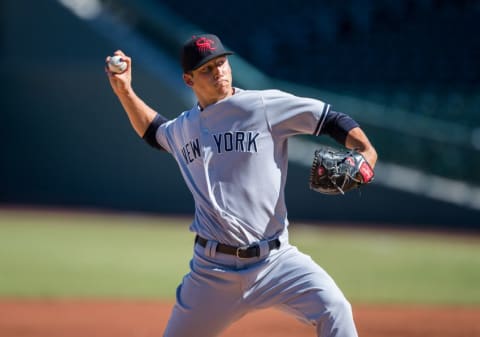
(121, 83)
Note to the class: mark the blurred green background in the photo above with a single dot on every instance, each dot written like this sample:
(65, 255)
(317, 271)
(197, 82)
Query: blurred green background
(80, 255)
(111, 214)
(407, 71)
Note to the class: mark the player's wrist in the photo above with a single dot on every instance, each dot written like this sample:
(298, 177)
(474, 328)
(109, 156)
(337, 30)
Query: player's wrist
(125, 91)
(370, 157)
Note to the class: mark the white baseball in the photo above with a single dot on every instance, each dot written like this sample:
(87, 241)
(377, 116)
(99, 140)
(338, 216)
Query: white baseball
(116, 64)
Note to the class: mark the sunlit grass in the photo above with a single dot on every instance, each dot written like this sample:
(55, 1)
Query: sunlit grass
(61, 254)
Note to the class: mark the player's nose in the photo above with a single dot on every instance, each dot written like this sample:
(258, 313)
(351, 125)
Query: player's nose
(217, 74)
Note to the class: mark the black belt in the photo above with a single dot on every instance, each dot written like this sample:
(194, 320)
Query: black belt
(242, 252)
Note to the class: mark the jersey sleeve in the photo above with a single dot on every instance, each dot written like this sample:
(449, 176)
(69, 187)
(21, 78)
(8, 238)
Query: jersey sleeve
(161, 135)
(155, 135)
(290, 115)
(337, 125)
(150, 135)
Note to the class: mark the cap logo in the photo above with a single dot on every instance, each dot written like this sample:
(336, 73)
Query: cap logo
(203, 44)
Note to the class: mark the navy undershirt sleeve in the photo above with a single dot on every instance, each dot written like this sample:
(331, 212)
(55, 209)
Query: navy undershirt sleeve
(337, 125)
(150, 134)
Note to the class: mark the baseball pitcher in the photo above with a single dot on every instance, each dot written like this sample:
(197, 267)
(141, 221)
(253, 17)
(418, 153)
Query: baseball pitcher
(232, 150)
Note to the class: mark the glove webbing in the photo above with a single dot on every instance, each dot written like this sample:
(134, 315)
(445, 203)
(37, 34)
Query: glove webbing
(333, 179)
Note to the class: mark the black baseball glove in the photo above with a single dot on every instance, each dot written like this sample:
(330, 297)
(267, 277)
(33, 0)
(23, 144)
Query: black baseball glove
(339, 171)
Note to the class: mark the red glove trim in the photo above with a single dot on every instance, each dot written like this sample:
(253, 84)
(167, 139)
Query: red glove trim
(366, 172)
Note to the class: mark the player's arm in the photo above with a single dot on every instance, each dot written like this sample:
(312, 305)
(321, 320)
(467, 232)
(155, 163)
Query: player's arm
(357, 139)
(347, 132)
(138, 112)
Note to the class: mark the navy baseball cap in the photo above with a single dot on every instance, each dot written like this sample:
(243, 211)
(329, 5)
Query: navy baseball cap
(200, 49)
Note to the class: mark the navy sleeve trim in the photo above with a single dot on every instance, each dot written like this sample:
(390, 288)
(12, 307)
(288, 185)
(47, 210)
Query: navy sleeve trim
(325, 112)
(337, 125)
(150, 135)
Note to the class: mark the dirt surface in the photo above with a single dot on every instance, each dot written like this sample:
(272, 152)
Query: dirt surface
(64, 318)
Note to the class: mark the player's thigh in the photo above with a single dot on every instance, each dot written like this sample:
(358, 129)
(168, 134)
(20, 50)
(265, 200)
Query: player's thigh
(206, 304)
(315, 298)
(299, 284)
(311, 291)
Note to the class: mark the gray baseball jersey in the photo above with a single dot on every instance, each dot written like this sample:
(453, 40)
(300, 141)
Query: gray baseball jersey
(233, 157)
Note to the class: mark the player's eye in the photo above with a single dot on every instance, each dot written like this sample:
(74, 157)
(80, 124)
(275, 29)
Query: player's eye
(205, 69)
(221, 61)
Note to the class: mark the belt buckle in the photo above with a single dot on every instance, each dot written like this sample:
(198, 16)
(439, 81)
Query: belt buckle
(240, 249)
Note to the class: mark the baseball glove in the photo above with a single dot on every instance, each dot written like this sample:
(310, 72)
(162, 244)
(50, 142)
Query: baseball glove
(339, 171)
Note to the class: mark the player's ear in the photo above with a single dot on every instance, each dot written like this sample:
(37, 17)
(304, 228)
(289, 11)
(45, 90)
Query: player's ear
(188, 79)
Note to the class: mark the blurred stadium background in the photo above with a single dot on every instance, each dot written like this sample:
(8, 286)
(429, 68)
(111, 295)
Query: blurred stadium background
(407, 70)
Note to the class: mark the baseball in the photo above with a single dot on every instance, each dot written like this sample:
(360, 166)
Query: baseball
(117, 65)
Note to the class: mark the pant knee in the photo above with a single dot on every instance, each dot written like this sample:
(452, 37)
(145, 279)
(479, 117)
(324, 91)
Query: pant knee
(336, 310)
(341, 307)
(336, 320)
